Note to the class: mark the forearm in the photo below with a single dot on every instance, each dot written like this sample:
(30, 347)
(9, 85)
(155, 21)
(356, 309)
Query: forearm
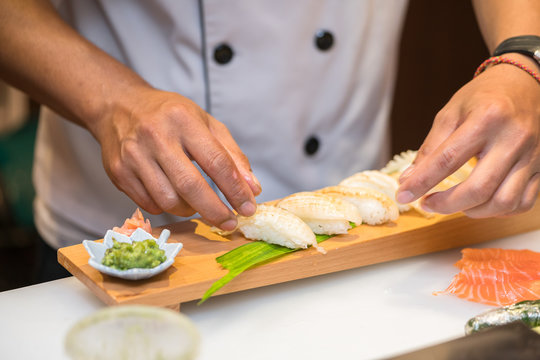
(502, 19)
(46, 58)
(148, 137)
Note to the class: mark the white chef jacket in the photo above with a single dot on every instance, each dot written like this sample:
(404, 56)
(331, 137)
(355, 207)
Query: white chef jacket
(304, 86)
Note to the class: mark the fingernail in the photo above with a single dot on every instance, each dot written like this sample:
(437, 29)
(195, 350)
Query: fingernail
(256, 181)
(404, 197)
(426, 208)
(228, 225)
(248, 208)
(406, 173)
(254, 184)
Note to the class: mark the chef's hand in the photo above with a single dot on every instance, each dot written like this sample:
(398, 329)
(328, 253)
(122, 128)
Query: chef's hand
(148, 137)
(495, 117)
(148, 145)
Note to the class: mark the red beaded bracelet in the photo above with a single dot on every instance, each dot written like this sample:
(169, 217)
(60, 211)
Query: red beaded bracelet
(500, 60)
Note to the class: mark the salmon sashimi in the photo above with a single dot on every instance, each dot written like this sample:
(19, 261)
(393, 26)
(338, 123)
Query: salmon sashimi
(498, 254)
(500, 268)
(136, 221)
(497, 277)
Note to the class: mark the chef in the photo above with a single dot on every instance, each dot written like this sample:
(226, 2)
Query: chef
(160, 104)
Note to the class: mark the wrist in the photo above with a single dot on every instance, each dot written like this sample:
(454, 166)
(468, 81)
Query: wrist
(511, 63)
(112, 105)
(528, 45)
(523, 59)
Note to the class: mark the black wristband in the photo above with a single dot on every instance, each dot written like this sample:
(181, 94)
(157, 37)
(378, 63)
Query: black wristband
(528, 45)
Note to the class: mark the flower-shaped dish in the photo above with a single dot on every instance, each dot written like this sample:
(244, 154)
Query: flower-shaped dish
(97, 252)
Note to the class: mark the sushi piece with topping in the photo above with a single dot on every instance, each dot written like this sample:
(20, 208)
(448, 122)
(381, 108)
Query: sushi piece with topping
(277, 226)
(399, 163)
(376, 180)
(324, 214)
(374, 206)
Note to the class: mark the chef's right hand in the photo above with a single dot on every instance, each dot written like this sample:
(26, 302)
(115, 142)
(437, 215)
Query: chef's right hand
(148, 137)
(148, 144)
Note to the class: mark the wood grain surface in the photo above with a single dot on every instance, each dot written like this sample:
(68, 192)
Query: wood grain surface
(195, 267)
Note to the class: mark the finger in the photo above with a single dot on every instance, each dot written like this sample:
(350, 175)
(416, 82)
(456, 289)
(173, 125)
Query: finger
(444, 125)
(214, 159)
(462, 145)
(529, 197)
(149, 181)
(161, 190)
(127, 182)
(193, 188)
(478, 188)
(507, 197)
(135, 190)
(220, 131)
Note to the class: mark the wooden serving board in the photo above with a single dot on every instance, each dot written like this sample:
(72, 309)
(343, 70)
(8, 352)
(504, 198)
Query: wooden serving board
(195, 267)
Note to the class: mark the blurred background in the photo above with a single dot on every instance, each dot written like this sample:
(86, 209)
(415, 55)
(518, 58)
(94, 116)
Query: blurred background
(441, 47)
(440, 50)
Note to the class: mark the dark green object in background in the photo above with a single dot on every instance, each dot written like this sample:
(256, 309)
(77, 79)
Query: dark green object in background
(17, 191)
(20, 254)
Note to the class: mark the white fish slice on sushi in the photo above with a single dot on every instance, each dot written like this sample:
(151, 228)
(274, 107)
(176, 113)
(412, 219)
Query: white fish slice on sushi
(374, 206)
(374, 179)
(324, 214)
(276, 226)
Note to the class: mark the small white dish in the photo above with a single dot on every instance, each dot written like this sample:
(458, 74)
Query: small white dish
(97, 252)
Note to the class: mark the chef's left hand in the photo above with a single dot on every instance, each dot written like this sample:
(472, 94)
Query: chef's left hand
(495, 117)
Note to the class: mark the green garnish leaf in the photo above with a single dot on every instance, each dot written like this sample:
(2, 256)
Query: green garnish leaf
(247, 256)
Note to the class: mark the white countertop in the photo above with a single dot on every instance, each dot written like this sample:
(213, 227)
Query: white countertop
(367, 313)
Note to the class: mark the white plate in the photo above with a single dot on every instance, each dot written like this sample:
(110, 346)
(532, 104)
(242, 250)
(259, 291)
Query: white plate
(97, 251)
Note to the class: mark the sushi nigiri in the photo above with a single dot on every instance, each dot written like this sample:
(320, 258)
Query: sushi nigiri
(324, 214)
(399, 163)
(374, 206)
(276, 226)
(376, 180)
